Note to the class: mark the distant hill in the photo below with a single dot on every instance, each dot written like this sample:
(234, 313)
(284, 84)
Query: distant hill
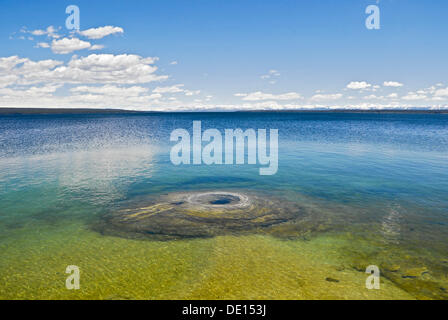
(25, 111)
(409, 111)
(43, 111)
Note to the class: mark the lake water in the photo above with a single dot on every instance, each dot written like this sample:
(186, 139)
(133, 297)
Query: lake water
(373, 187)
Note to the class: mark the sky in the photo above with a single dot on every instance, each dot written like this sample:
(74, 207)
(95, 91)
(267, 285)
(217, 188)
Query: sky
(198, 55)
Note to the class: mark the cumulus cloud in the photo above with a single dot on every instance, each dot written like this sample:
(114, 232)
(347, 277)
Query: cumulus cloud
(94, 68)
(441, 92)
(49, 31)
(42, 45)
(271, 73)
(111, 90)
(68, 45)
(414, 96)
(38, 32)
(117, 81)
(80, 98)
(177, 88)
(272, 76)
(96, 47)
(111, 95)
(169, 89)
(393, 84)
(7, 63)
(258, 96)
(31, 92)
(101, 32)
(192, 92)
(372, 96)
(138, 98)
(326, 97)
(358, 85)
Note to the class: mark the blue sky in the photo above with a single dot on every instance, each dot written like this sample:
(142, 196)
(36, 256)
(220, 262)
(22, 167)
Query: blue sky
(224, 55)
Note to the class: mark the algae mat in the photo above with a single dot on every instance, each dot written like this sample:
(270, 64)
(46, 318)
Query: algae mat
(224, 267)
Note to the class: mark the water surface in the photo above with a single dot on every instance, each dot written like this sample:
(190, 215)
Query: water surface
(375, 187)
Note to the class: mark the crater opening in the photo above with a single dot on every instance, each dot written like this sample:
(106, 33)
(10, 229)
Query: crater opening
(219, 199)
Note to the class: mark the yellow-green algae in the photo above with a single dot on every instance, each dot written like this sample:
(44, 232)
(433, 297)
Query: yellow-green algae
(305, 258)
(224, 267)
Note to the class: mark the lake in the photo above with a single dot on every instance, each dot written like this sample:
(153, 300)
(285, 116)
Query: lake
(352, 190)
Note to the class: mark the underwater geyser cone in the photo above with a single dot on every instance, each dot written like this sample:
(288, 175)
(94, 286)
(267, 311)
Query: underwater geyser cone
(200, 214)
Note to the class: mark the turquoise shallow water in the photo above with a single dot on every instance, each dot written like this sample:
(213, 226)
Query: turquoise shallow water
(374, 186)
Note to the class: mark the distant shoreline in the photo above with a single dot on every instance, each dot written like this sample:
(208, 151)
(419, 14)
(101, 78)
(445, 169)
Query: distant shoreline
(60, 111)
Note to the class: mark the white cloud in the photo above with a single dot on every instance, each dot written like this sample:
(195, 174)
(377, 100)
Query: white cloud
(441, 92)
(32, 92)
(101, 32)
(393, 84)
(271, 74)
(95, 68)
(68, 45)
(173, 62)
(259, 96)
(49, 31)
(192, 92)
(413, 96)
(427, 91)
(111, 90)
(358, 85)
(326, 97)
(170, 89)
(136, 98)
(26, 69)
(7, 80)
(177, 88)
(96, 47)
(108, 68)
(42, 45)
(111, 95)
(38, 32)
(372, 96)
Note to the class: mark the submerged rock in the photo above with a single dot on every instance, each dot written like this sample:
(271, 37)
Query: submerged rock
(414, 272)
(200, 214)
(393, 268)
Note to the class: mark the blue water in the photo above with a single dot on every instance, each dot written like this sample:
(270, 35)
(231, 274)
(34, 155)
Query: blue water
(381, 177)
